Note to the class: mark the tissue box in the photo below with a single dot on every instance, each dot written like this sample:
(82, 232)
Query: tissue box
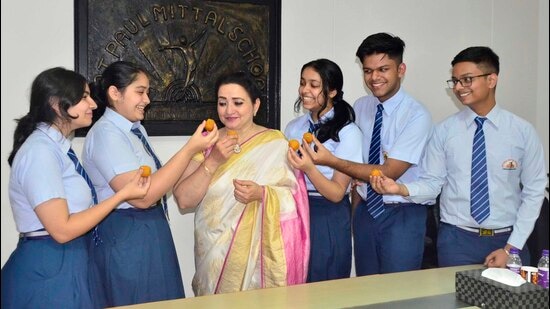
(476, 290)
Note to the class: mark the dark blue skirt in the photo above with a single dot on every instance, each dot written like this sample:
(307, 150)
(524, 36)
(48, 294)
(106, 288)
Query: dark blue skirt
(42, 273)
(136, 261)
(330, 228)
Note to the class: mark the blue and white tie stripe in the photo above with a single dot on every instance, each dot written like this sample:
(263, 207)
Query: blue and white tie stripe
(313, 127)
(479, 188)
(375, 202)
(150, 151)
(80, 169)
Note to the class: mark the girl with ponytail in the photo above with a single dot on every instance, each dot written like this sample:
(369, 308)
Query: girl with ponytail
(51, 198)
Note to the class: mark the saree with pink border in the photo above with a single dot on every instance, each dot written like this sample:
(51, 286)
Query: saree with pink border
(261, 244)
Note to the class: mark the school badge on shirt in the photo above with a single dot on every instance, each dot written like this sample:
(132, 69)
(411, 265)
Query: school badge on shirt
(510, 164)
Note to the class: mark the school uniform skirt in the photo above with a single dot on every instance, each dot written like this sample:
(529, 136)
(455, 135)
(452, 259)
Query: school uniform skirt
(330, 233)
(135, 261)
(42, 273)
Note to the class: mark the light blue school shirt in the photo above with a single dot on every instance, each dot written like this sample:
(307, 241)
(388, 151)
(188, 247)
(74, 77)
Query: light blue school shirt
(347, 148)
(514, 155)
(111, 149)
(406, 129)
(41, 171)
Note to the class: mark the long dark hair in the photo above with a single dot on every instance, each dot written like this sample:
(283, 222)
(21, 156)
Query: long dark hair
(119, 74)
(332, 79)
(63, 87)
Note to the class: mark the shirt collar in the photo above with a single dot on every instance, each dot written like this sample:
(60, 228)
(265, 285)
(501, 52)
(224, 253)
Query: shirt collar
(392, 103)
(492, 117)
(120, 121)
(327, 116)
(55, 135)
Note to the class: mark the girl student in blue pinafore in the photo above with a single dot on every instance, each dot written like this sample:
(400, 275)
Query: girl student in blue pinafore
(137, 260)
(51, 199)
(331, 119)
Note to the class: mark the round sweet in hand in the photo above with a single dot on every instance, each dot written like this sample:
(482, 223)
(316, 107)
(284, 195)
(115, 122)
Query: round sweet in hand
(209, 125)
(308, 137)
(294, 144)
(376, 172)
(145, 170)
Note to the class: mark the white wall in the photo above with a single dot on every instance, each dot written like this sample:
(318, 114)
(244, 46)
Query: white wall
(39, 34)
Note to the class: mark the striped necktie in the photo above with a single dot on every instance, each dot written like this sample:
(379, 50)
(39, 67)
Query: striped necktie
(80, 169)
(479, 186)
(375, 202)
(313, 126)
(150, 151)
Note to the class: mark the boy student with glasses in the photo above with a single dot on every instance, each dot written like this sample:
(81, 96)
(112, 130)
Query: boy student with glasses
(488, 165)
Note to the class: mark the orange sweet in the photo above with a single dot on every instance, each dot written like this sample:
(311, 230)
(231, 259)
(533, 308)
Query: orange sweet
(209, 125)
(294, 144)
(308, 137)
(231, 132)
(376, 172)
(145, 170)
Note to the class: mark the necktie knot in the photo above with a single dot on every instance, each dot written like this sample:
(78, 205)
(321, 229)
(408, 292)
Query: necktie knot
(379, 108)
(313, 127)
(479, 121)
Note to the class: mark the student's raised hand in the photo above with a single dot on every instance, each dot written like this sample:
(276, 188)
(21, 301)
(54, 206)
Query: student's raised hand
(247, 191)
(203, 139)
(137, 187)
(300, 159)
(318, 154)
(383, 184)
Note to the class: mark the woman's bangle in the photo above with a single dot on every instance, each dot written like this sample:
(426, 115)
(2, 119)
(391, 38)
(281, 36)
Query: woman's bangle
(208, 172)
(507, 252)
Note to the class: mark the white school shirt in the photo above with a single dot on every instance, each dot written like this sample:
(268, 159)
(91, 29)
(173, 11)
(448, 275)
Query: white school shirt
(41, 171)
(406, 128)
(347, 149)
(111, 149)
(514, 156)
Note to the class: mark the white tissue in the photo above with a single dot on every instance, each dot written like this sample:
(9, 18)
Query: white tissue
(503, 275)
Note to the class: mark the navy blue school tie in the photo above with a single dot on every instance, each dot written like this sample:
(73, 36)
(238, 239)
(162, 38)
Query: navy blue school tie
(80, 169)
(479, 186)
(375, 202)
(314, 126)
(150, 151)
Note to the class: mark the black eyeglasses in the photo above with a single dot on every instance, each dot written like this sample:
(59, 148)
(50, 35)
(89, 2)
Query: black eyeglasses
(464, 81)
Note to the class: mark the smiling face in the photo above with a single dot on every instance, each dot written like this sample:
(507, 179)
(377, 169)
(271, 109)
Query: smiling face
(235, 107)
(82, 111)
(131, 101)
(382, 75)
(311, 92)
(480, 95)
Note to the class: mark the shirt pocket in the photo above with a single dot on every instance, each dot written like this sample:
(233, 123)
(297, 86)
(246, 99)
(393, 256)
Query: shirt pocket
(506, 162)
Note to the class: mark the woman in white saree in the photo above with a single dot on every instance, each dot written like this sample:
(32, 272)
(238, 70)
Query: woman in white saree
(251, 216)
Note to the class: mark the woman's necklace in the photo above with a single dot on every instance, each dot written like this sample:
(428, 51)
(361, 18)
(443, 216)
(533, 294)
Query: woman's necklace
(237, 148)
